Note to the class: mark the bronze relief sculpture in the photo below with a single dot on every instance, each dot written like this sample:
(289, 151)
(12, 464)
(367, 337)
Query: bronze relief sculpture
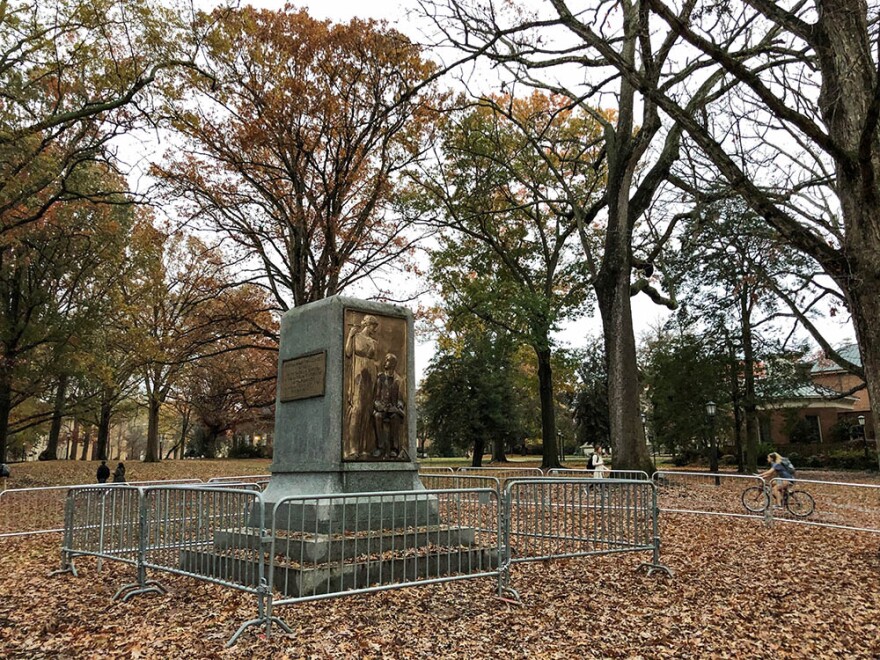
(374, 427)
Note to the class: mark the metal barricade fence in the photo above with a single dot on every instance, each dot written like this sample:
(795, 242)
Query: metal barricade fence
(102, 521)
(558, 518)
(583, 473)
(430, 469)
(213, 534)
(502, 473)
(468, 483)
(26, 511)
(446, 481)
(331, 545)
(839, 505)
(259, 479)
(326, 546)
(706, 493)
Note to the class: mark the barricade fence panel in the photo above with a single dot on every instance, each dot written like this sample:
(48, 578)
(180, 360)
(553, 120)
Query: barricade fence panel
(556, 518)
(468, 483)
(214, 534)
(706, 493)
(502, 473)
(446, 481)
(584, 473)
(261, 480)
(329, 545)
(103, 521)
(854, 506)
(26, 511)
(430, 469)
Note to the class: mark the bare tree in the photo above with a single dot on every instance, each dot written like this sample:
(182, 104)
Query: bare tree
(797, 134)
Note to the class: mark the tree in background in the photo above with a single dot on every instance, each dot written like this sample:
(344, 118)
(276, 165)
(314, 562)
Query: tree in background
(590, 404)
(730, 271)
(621, 239)
(188, 309)
(507, 243)
(683, 372)
(230, 388)
(468, 395)
(794, 128)
(294, 143)
(56, 279)
(74, 75)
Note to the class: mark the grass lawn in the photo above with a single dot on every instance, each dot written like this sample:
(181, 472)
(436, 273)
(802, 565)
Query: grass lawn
(65, 473)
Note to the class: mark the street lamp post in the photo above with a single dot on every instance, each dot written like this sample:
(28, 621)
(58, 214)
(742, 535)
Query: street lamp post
(711, 409)
(861, 419)
(647, 438)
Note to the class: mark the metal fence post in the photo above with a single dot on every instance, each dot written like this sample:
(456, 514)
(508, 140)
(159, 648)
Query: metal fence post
(655, 564)
(67, 565)
(768, 512)
(143, 585)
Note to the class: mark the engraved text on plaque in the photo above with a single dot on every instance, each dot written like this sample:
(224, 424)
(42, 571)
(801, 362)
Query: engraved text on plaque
(303, 377)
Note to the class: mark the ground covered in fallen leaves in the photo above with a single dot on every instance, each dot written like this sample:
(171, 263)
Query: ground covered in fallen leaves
(741, 590)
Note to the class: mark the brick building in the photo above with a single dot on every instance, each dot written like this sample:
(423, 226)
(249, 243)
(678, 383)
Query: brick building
(820, 405)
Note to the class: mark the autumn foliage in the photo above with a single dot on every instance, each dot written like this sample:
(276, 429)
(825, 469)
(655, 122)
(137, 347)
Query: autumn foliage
(293, 143)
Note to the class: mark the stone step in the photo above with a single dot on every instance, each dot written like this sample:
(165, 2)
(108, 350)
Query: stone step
(321, 548)
(295, 580)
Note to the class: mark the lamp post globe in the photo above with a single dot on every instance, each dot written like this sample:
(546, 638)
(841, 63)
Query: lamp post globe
(711, 409)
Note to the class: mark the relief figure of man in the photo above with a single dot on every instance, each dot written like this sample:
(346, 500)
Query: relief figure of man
(389, 411)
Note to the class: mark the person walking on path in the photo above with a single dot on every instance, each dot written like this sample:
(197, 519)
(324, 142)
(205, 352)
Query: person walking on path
(596, 464)
(103, 472)
(119, 474)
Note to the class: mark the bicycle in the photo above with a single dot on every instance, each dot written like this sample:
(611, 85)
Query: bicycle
(798, 503)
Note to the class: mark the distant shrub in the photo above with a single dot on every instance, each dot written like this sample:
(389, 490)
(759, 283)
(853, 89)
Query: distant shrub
(688, 457)
(250, 451)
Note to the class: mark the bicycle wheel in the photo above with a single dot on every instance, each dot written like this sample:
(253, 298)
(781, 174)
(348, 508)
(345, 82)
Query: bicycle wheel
(754, 499)
(800, 503)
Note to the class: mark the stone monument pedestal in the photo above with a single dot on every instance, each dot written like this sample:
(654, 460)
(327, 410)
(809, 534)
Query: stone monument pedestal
(344, 435)
(330, 412)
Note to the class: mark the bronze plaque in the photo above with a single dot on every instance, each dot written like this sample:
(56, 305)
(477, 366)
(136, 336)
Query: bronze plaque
(303, 377)
(375, 409)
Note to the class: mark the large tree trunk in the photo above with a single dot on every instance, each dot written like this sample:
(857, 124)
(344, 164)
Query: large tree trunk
(51, 453)
(627, 440)
(479, 448)
(865, 304)
(152, 453)
(5, 408)
(749, 402)
(87, 439)
(612, 288)
(848, 104)
(849, 84)
(103, 440)
(498, 455)
(550, 457)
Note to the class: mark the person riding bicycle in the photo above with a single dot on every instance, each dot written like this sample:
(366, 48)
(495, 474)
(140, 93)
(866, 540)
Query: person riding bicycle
(782, 476)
